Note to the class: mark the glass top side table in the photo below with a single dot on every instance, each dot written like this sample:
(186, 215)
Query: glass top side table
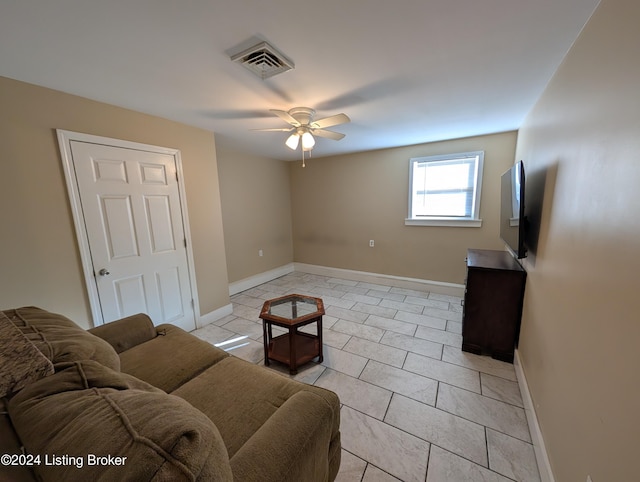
(291, 312)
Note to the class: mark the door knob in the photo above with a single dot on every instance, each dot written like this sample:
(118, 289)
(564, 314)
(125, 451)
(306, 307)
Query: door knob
(104, 272)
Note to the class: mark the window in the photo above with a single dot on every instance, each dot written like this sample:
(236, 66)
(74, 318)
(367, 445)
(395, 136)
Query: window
(445, 190)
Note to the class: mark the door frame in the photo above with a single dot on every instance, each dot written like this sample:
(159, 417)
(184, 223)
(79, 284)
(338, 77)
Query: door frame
(64, 142)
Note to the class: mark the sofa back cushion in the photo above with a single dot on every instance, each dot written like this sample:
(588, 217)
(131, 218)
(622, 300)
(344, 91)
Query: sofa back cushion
(21, 362)
(60, 339)
(86, 410)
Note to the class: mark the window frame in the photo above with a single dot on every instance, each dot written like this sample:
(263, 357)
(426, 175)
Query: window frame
(452, 221)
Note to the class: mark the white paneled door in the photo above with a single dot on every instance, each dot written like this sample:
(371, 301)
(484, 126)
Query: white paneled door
(131, 208)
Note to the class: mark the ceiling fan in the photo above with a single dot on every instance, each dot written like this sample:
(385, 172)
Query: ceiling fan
(304, 127)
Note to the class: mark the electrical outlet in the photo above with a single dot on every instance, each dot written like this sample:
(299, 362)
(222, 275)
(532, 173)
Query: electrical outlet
(260, 253)
(371, 243)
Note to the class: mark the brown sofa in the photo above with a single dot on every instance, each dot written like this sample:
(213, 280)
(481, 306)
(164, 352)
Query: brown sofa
(130, 401)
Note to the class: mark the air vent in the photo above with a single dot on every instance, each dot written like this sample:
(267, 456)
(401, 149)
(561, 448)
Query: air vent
(263, 60)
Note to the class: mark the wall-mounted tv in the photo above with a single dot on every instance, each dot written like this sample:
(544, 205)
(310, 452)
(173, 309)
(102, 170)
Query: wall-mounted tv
(513, 222)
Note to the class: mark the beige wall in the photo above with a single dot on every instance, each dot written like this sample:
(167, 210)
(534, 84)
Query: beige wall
(39, 257)
(581, 324)
(256, 211)
(340, 203)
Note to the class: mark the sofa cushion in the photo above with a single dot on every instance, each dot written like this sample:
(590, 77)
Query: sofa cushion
(60, 339)
(21, 362)
(86, 409)
(298, 436)
(10, 444)
(170, 359)
(239, 397)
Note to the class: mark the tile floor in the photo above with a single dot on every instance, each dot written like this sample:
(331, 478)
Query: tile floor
(414, 406)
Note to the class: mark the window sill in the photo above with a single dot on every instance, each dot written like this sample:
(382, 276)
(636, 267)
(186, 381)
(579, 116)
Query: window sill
(448, 222)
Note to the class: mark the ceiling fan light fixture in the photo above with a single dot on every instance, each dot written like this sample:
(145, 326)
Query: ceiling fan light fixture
(308, 141)
(303, 126)
(292, 141)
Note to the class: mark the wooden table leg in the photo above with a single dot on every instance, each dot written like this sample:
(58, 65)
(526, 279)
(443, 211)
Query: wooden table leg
(293, 361)
(265, 333)
(319, 325)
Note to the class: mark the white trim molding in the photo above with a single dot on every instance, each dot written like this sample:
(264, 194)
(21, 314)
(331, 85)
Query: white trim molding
(451, 289)
(447, 222)
(214, 315)
(253, 281)
(439, 287)
(542, 458)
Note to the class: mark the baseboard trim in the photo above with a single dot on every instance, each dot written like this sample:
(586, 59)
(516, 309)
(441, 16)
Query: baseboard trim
(215, 315)
(542, 459)
(439, 287)
(253, 281)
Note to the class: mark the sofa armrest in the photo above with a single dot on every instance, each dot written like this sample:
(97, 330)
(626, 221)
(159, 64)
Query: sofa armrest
(126, 332)
(292, 445)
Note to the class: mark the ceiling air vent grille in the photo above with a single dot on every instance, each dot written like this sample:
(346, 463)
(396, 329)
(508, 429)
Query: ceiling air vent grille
(263, 60)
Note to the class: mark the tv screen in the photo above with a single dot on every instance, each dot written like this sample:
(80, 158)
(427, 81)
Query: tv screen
(512, 219)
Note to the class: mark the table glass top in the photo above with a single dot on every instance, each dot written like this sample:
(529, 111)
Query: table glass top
(293, 307)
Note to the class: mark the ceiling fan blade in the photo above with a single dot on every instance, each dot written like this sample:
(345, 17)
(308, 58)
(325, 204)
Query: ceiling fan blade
(333, 120)
(285, 116)
(336, 136)
(284, 129)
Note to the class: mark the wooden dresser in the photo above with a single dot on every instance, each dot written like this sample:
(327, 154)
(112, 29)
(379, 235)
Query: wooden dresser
(494, 292)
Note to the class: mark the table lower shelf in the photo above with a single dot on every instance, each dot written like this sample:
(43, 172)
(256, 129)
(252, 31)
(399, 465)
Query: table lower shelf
(307, 348)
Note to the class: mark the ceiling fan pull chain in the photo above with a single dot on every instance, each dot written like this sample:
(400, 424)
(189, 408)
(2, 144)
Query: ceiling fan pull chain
(303, 158)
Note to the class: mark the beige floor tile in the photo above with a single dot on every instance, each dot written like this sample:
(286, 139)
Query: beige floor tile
(358, 298)
(445, 466)
(213, 334)
(344, 362)
(358, 394)
(443, 372)
(400, 381)
(482, 364)
(439, 336)
(401, 306)
(431, 303)
(351, 468)
(412, 344)
(438, 427)
(360, 330)
(345, 314)
(391, 325)
(245, 327)
(375, 310)
(395, 451)
(419, 319)
(501, 389)
(375, 351)
(374, 474)
(485, 411)
(511, 457)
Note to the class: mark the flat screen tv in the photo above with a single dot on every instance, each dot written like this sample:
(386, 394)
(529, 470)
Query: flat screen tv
(513, 222)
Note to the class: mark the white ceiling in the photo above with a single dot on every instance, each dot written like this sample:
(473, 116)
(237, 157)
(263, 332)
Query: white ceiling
(405, 71)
